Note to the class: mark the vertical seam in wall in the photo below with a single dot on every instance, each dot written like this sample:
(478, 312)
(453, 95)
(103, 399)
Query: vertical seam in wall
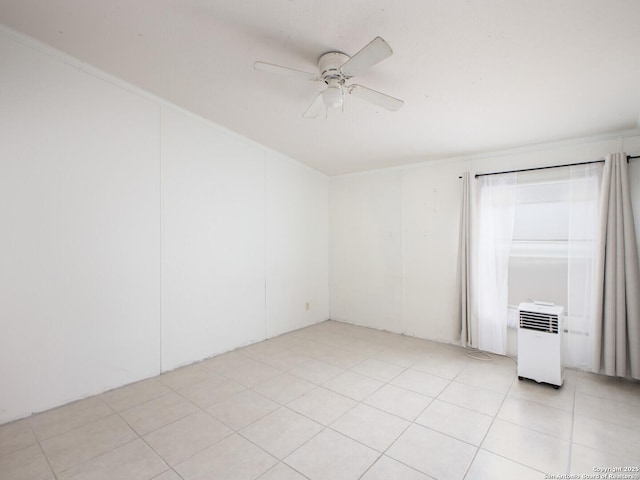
(329, 249)
(160, 191)
(402, 254)
(264, 242)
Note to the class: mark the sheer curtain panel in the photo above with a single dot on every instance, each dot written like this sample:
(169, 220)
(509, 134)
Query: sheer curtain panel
(584, 186)
(496, 211)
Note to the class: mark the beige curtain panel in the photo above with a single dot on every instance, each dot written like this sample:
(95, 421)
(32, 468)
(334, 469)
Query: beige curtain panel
(616, 339)
(464, 264)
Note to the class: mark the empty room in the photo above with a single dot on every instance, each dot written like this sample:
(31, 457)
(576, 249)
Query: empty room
(319, 240)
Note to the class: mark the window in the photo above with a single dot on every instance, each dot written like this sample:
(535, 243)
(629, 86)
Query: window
(553, 246)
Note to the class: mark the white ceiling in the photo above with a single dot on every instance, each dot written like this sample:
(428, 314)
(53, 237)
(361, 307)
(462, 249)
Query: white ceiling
(475, 75)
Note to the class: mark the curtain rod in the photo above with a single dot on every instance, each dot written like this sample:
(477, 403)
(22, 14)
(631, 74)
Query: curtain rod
(545, 168)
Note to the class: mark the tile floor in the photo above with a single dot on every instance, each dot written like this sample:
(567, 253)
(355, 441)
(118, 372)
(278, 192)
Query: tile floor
(333, 402)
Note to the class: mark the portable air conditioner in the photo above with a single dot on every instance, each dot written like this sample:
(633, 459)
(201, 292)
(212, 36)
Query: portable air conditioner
(540, 343)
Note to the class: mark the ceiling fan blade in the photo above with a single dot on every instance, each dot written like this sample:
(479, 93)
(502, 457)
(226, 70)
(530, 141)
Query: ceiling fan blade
(315, 108)
(290, 72)
(377, 98)
(375, 51)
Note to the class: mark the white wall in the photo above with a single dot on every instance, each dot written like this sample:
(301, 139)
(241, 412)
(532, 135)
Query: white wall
(213, 248)
(366, 250)
(137, 237)
(245, 242)
(632, 146)
(394, 235)
(296, 242)
(80, 241)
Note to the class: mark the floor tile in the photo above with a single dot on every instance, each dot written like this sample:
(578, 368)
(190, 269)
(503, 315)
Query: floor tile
(168, 475)
(313, 348)
(26, 464)
(419, 382)
(185, 376)
(561, 398)
(612, 388)
(387, 468)
(233, 458)
(399, 401)
(134, 394)
(282, 471)
(242, 409)
(342, 357)
(370, 426)
(265, 349)
(334, 339)
(383, 371)
(488, 465)
(489, 376)
(446, 366)
(283, 388)
(464, 424)
(535, 416)
(332, 456)
(77, 446)
(186, 437)
(607, 410)
(62, 419)
(151, 415)
(533, 449)
(252, 373)
(287, 360)
(522, 428)
(316, 371)
(133, 461)
(354, 385)
(584, 459)
(207, 393)
(622, 440)
(364, 347)
(225, 362)
(16, 436)
(397, 357)
(433, 453)
(281, 432)
(471, 397)
(322, 405)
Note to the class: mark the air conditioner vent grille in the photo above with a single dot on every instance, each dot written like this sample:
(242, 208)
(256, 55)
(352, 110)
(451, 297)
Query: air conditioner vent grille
(543, 322)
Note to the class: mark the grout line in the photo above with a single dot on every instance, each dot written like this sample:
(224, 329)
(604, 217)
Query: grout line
(281, 462)
(44, 454)
(140, 437)
(514, 461)
(409, 425)
(484, 437)
(88, 422)
(170, 469)
(573, 422)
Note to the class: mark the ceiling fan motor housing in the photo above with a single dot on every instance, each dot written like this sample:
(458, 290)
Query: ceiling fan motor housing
(329, 65)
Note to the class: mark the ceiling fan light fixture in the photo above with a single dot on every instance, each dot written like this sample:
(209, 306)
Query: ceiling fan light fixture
(332, 97)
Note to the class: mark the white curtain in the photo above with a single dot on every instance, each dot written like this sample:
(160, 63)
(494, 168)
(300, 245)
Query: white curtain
(584, 185)
(616, 327)
(496, 212)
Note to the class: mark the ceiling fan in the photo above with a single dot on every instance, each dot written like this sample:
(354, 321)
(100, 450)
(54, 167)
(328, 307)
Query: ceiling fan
(334, 69)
